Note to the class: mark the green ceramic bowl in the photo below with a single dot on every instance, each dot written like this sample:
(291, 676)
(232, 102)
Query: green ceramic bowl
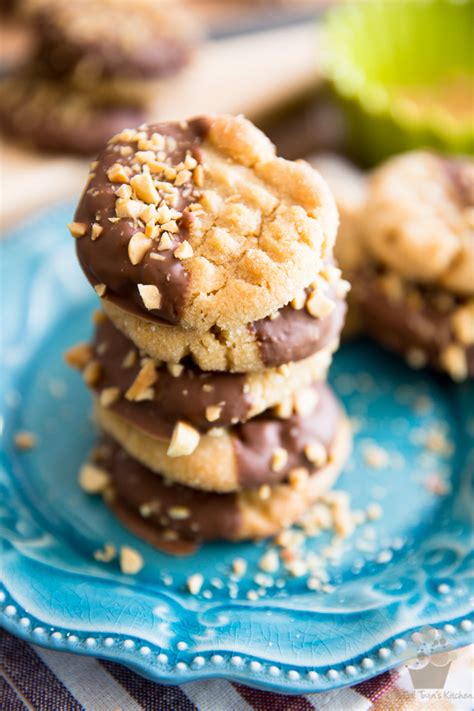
(404, 70)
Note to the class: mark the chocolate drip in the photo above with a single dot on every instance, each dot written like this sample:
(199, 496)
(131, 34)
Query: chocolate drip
(256, 440)
(185, 397)
(105, 260)
(295, 334)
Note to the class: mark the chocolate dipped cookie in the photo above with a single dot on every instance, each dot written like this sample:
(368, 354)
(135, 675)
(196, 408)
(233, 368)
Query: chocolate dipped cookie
(176, 518)
(200, 225)
(415, 287)
(141, 390)
(260, 451)
(119, 49)
(49, 117)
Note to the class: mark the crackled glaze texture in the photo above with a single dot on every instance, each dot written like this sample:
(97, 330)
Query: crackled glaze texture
(291, 638)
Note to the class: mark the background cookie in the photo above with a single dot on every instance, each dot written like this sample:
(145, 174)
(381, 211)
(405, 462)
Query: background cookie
(85, 41)
(261, 451)
(426, 325)
(163, 514)
(48, 117)
(201, 225)
(419, 219)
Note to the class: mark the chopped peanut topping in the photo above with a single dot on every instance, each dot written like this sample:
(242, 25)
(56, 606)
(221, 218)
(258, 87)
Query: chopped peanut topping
(298, 477)
(198, 176)
(316, 454)
(78, 356)
(184, 250)
(96, 231)
(93, 479)
(184, 440)
(151, 297)
(213, 412)
(453, 359)
(146, 377)
(179, 513)
(125, 207)
(130, 359)
(77, 229)
(91, 373)
(108, 396)
(175, 369)
(144, 188)
(305, 401)
(319, 305)
(165, 242)
(100, 289)
(118, 173)
(279, 459)
(138, 246)
(462, 322)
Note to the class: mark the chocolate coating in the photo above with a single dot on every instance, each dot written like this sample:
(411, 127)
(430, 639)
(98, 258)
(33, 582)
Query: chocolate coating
(211, 516)
(256, 440)
(295, 334)
(401, 327)
(106, 260)
(185, 397)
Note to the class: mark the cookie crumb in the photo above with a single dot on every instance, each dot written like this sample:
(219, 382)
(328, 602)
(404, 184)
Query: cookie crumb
(25, 440)
(93, 479)
(416, 358)
(194, 583)
(239, 566)
(105, 554)
(374, 456)
(269, 562)
(131, 561)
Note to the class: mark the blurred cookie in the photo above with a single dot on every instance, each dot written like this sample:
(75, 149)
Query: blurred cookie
(199, 224)
(118, 47)
(420, 219)
(262, 451)
(144, 391)
(427, 325)
(164, 513)
(415, 289)
(48, 117)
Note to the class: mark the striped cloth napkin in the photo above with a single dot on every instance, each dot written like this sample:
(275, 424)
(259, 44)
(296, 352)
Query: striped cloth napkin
(42, 680)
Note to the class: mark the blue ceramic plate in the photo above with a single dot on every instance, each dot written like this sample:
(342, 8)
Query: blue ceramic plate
(407, 569)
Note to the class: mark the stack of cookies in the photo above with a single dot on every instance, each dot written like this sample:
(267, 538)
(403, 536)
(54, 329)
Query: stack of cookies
(96, 66)
(222, 308)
